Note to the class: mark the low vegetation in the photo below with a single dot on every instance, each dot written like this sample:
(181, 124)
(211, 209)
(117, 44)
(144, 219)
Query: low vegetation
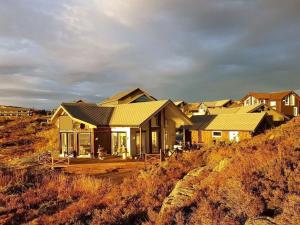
(255, 178)
(24, 137)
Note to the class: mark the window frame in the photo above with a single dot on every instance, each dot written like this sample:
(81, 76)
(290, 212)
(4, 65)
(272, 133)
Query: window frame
(287, 100)
(216, 136)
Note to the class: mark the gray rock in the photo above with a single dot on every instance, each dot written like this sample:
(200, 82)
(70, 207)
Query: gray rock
(260, 221)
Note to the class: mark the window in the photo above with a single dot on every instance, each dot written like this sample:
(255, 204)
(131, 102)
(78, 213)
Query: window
(286, 100)
(263, 101)
(273, 104)
(64, 142)
(155, 142)
(84, 140)
(217, 133)
(292, 100)
(295, 111)
(248, 101)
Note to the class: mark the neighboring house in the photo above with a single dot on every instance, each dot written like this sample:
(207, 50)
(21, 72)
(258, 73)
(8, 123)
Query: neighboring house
(286, 102)
(14, 111)
(204, 106)
(275, 116)
(126, 129)
(192, 108)
(131, 96)
(211, 129)
(182, 105)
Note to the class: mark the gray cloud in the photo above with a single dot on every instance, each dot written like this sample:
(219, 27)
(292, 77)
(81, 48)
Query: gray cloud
(61, 50)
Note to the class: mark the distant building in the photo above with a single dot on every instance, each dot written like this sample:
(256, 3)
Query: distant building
(285, 102)
(13, 111)
(182, 105)
(204, 106)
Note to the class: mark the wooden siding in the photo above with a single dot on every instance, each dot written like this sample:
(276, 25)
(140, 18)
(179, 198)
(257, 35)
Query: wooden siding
(207, 137)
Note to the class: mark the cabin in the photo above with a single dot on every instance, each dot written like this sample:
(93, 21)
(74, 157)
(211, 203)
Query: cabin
(285, 102)
(128, 129)
(126, 97)
(227, 128)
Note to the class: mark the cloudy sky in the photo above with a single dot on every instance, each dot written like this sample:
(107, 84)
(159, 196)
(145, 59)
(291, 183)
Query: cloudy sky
(62, 50)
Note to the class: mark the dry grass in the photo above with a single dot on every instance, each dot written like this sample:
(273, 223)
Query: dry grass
(261, 178)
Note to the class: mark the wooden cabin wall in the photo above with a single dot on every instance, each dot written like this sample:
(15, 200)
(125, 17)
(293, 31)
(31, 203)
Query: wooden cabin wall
(207, 138)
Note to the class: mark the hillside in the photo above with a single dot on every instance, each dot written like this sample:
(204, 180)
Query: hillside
(253, 182)
(21, 137)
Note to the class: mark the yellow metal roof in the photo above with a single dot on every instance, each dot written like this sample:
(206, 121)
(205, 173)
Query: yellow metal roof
(239, 122)
(113, 100)
(135, 114)
(228, 122)
(217, 111)
(239, 109)
(218, 103)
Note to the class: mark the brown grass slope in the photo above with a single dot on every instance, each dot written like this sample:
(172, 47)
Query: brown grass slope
(256, 178)
(22, 137)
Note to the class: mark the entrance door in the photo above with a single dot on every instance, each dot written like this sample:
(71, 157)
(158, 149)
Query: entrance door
(295, 111)
(119, 143)
(234, 136)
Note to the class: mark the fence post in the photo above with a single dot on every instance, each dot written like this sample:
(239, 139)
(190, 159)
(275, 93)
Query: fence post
(161, 155)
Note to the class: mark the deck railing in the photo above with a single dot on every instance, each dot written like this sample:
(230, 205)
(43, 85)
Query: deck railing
(47, 159)
(155, 157)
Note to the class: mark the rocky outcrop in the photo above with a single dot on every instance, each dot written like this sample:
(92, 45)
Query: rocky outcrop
(186, 189)
(260, 221)
(183, 192)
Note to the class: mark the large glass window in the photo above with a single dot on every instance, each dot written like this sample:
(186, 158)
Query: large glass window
(64, 142)
(67, 143)
(70, 143)
(119, 142)
(137, 138)
(84, 142)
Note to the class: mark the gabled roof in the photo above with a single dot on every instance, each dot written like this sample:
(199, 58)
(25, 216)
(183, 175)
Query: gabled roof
(228, 122)
(239, 109)
(218, 103)
(87, 113)
(124, 94)
(272, 95)
(123, 115)
(136, 114)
